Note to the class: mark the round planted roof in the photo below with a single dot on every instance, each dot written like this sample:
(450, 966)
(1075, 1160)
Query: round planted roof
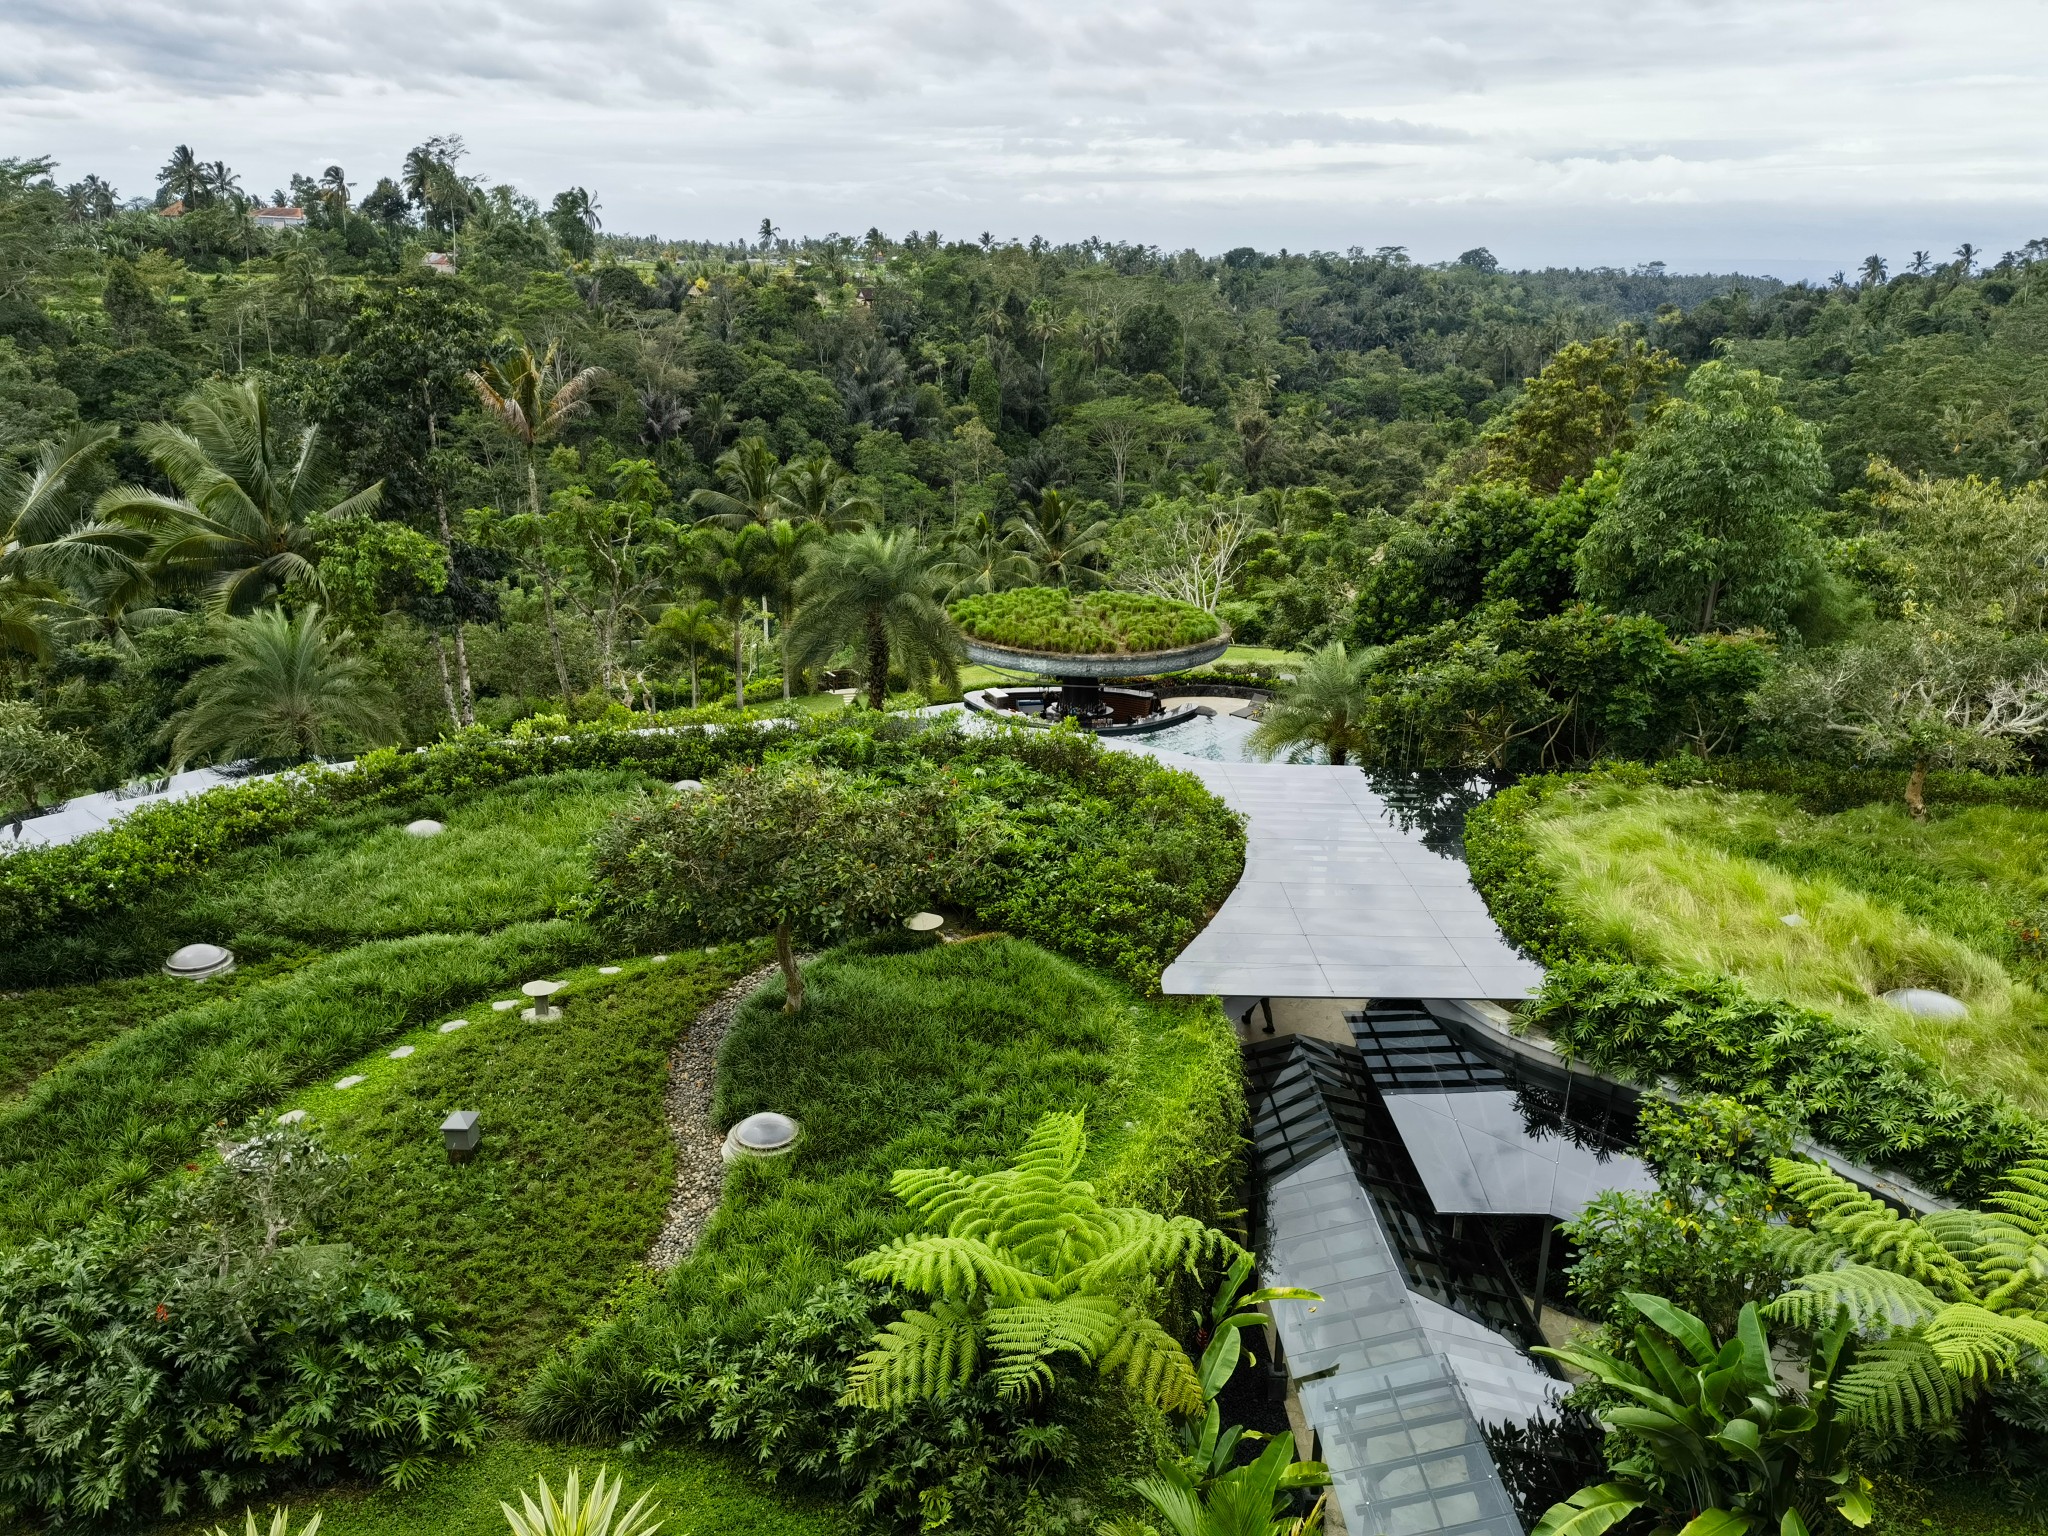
(1926, 1003)
(1057, 630)
(196, 962)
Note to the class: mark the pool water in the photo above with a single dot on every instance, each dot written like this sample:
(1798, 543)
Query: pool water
(1220, 738)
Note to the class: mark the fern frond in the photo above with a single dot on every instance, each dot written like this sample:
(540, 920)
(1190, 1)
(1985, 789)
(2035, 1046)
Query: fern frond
(1024, 1339)
(1977, 1344)
(2023, 1197)
(1144, 1243)
(1871, 1230)
(1803, 1249)
(920, 1355)
(956, 1268)
(1054, 1149)
(1154, 1367)
(930, 1192)
(1874, 1298)
(1897, 1386)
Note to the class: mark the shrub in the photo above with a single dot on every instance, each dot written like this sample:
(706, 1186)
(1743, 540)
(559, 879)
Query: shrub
(1059, 621)
(200, 1357)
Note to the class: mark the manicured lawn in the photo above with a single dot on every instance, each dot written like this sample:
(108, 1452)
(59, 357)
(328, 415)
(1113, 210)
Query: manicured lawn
(1697, 879)
(560, 1205)
(109, 1123)
(701, 1493)
(513, 854)
(1260, 655)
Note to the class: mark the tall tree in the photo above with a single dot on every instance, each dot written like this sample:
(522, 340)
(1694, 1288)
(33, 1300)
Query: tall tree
(183, 176)
(1714, 519)
(733, 568)
(1590, 400)
(878, 593)
(285, 690)
(1059, 541)
(1325, 706)
(749, 487)
(41, 513)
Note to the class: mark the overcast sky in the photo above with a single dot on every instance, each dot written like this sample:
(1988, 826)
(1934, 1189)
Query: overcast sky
(1783, 137)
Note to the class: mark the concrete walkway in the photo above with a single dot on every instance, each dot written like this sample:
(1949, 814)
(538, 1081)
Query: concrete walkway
(1337, 900)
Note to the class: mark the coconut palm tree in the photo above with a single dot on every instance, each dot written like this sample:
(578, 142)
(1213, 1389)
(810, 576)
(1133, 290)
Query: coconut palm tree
(751, 476)
(817, 490)
(790, 545)
(533, 399)
(692, 627)
(184, 175)
(1057, 541)
(285, 690)
(878, 592)
(979, 557)
(242, 531)
(1325, 706)
(40, 512)
(733, 568)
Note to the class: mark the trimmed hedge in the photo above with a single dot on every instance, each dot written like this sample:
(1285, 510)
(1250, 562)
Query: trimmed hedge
(1865, 1096)
(1058, 621)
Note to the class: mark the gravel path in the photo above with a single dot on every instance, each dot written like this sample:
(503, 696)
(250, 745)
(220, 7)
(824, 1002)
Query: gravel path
(700, 1172)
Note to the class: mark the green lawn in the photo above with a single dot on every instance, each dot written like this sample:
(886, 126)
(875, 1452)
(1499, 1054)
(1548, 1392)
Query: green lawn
(1699, 879)
(561, 1205)
(1259, 655)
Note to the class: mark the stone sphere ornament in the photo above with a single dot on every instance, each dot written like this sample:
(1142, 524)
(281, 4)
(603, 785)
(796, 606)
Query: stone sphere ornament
(766, 1134)
(198, 962)
(424, 828)
(1926, 1003)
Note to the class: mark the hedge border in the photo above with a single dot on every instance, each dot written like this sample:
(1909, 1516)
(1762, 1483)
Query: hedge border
(1872, 1100)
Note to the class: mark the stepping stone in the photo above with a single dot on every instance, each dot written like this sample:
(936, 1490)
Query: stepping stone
(351, 1081)
(658, 960)
(609, 970)
(453, 1025)
(1793, 920)
(506, 1006)
(291, 1117)
(401, 1053)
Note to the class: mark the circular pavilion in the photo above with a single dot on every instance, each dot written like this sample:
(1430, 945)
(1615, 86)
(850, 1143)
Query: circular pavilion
(1087, 642)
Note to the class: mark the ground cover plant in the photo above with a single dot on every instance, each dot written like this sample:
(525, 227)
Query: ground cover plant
(1060, 621)
(531, 1236)
(97, 1129)
(1867, 1094)
(942, 1054)
(1699, 880)
(510, 854)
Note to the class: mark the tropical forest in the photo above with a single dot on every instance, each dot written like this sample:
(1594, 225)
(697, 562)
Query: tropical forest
(841, 884)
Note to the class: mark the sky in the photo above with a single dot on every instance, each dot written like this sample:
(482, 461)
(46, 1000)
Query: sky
(1767, 136)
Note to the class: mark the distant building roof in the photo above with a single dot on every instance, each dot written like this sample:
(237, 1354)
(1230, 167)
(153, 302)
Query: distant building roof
(278, 218)
(439, 261)
(172, 210)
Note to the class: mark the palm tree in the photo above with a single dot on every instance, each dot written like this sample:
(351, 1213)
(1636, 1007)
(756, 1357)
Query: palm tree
(285, 690)
(693, 626)
(1055, 543)
(1966, 258)
(334, 190)
(876, 591)
(979, 557)
(533, 401)
(184, 175)
(242, 531)
(751, 474)
(817, 490)
(733, 568)
(1873, 271)
(790, 545)
(40, 513)
(1324, 706)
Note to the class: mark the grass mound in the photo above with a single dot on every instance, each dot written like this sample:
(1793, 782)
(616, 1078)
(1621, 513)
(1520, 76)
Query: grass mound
(1062, 622)
(510, 855)
(109, 1123)
(1701, 880)
(942, 1054)
(569, 1190)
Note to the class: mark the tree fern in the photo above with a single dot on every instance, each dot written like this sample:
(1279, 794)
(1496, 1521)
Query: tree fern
(1026, 1265)
(1951, 1302)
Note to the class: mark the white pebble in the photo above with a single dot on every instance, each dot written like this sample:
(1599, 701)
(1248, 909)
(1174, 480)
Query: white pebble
(505, 1006)
(609, 970)
(291, 1117)
(659, 960)
(350, 1082)
(401, 1053)
(1793, 920)
(453, 1025)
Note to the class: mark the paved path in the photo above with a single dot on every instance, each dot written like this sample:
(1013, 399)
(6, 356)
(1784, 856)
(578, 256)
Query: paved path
(1337, 900)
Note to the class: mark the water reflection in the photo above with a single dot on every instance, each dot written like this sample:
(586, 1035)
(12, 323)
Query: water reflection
(1433, 801)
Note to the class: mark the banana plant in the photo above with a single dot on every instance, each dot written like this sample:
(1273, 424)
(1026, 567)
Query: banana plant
(1722, 1448)
(1208, 1448)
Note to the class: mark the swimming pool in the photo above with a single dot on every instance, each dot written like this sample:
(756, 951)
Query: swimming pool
(1220, 738)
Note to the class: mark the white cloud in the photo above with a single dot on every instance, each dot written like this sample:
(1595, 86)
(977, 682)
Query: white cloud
(1699, 132)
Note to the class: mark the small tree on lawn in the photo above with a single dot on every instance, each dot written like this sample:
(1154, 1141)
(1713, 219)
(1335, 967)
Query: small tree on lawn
(36, 761)
(808, 854)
